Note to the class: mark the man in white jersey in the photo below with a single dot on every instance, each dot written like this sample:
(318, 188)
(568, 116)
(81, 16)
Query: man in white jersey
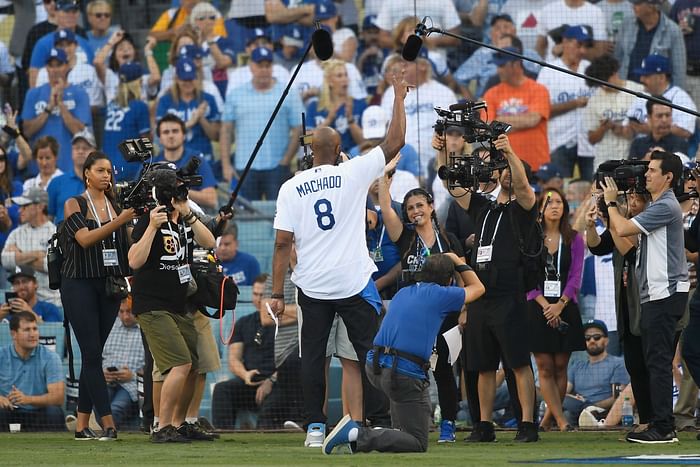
(322, 211)
(662, 278)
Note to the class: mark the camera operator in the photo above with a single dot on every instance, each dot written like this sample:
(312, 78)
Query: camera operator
(662, 277)
(171, 131)
(161, 258)
(496, 320)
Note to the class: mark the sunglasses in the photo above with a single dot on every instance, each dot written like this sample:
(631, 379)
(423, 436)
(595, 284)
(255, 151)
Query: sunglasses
(595, 337)
(102, 15)
(210, 17)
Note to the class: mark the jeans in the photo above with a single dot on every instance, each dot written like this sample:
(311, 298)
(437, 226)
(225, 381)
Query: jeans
(566, 158)
(124, 411)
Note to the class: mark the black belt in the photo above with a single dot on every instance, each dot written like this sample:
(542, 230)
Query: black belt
(379, 350)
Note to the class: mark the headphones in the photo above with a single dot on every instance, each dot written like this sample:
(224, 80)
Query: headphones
(414, 192)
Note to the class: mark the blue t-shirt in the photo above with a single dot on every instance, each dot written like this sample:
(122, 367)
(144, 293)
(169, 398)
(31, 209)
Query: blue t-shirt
(249, 109)
(124, 123)
(43, 47)
(96, 43)
(243, 268)
(60, 189)
(204, 169)
(316, 116)
(594, 380)
(413, 321)
(77, 102)
(196, 140)
(31, 376)
(49, 312)
(390, 254)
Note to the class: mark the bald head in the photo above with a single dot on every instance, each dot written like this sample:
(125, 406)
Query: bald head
(325, 145)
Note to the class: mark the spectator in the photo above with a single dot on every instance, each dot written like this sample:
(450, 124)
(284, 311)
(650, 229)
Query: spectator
(650, 32)
(127, 118)
(198, 109)
(310, 79)
(660, 121)
(570, 12)
(32, 388)
(382, 250)
(568, 95)
(549, 176)
(246, 110)
(252, 360)
(20, 153)
(45, 154)
(655, 74)
(66, 18)
(443, 14)
(615, 12)
(26, 245)
(25, 48)
(174, 20)
(172, 130)
(56, 108)
(524, 104)
(99, 16)
(277, 12)
(420, 115)
(217, 50)
(70, 183)
(591, 380)
(122, 358)
(335, 108)
(605, 120)
(119, 50)
(344, 39)
(370, 55)
(242, 267)
(292, 45)
(24, 284)
(685, 13)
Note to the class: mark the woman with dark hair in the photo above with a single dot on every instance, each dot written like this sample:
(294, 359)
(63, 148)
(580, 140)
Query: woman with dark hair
(96, 252)
(418, 235)
(554, 322)
(9, 213)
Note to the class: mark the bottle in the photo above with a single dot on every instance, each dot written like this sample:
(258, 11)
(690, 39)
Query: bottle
(627, 413)
(543, 409)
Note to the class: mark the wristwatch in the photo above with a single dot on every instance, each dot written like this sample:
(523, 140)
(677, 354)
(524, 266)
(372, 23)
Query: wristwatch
(611, 204)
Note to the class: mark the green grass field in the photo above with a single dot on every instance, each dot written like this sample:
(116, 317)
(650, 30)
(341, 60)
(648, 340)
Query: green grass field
(287, 449)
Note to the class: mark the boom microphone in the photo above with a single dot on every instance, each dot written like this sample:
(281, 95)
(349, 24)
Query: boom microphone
(413, 44)
(322, 43)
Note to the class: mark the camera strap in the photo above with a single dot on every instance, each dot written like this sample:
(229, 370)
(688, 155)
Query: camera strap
(553, 288)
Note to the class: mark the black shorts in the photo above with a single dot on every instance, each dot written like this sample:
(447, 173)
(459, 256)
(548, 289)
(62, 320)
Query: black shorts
(497, 329)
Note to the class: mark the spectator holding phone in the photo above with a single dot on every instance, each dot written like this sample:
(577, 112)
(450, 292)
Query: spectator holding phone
(24, 298)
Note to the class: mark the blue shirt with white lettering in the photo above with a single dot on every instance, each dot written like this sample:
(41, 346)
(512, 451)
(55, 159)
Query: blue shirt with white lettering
(316, 116)
(124, 123)
(243, 268)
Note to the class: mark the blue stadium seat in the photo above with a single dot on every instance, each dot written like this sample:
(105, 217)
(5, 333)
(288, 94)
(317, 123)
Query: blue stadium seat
(245, 293)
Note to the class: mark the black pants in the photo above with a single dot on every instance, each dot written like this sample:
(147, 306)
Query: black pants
(635, 363)
(658, 325)
(92, 315)
(228, 398)
(286, 401)
(444, 374)
(41, 419)
(691, 339)
(357, 315)
(147, 409)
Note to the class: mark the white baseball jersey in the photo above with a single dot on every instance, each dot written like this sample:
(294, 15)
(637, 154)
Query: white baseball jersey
(325, 207)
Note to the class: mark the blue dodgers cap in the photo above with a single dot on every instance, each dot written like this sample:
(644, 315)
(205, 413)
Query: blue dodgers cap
(185, 69)
(191, 51)
(57, 54)
(547, 172)
(256, 33)
(67, 5)
(654, 64)
(369, 22)
(596, 323)
(261, 54)
(500, 59)
(130, 71)
(579, 32)
(63, 35)
(325, 9)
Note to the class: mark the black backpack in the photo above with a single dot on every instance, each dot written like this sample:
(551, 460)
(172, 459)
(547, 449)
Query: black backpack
(58, 247)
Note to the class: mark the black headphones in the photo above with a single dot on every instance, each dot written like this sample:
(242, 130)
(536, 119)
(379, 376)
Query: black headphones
(414, 192)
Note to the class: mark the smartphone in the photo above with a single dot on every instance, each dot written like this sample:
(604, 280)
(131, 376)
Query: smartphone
(112, 368)
(9, 296)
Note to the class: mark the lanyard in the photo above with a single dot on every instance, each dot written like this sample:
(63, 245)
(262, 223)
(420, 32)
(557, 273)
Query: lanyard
(179, 241)
(381, 237)
(97, 218)
(558, 260)
(425, 247)
(495, 230)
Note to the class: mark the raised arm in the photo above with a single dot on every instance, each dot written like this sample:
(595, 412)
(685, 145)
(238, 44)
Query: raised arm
(395, 137)
(524, 194)
(392, 222)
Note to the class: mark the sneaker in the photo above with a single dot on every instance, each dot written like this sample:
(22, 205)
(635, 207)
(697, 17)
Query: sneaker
(203, 428)
(447, 432)
(71, 421)
(292, 425)
(85, 435)
(482, 432)
(206, 424)
(194, 432)
(315, 435)
(527, 433)
(110, 434)
(168, 434)
(340, 435)
(652, 435)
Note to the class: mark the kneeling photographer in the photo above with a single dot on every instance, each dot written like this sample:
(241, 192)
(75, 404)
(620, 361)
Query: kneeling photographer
(161, 258)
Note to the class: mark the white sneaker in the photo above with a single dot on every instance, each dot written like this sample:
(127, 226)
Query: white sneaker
(315, 435)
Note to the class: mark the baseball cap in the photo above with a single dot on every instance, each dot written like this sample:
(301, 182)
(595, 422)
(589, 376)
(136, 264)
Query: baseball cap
(500, 59)
(654, 64)
(504, 16)
(369, 22)
(293, 36)
(130, 71)
(191, 51)
(185, 69)
(261, 54)
(256, 33)
(63, 35)
(31, 196)
(374, 122)
(22, 271)
(86, 135)
(653, 2)
(546, 172)
(57, 54)
(579, 32)
(325, 9)
(596, 323)
(67, 5)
